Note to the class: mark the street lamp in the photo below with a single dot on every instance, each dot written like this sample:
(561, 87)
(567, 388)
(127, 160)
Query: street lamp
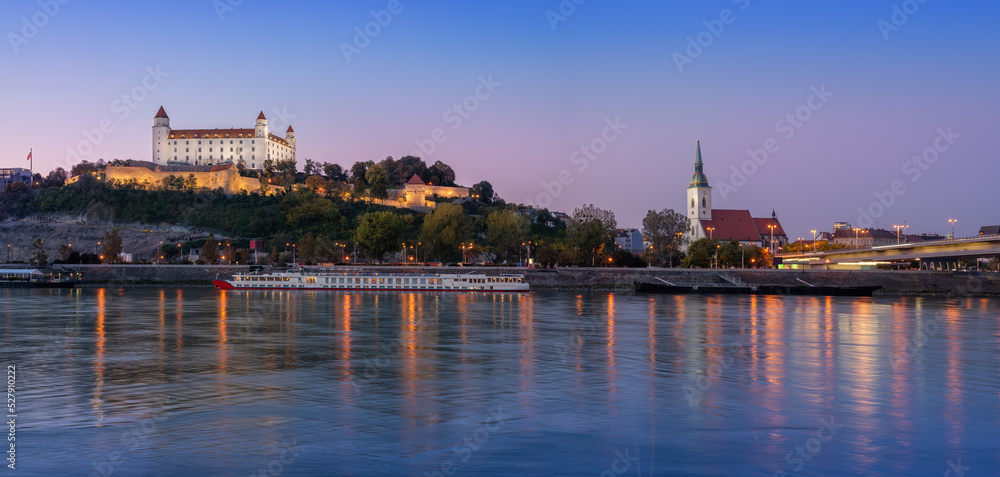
(952, 222)
(772, 238)
(814, 240)
(743, 262)
(711, 232)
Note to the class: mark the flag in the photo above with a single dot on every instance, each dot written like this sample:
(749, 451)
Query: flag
(29, 156)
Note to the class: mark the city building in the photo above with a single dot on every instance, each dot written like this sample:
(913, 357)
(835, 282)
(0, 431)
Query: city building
(989, 230)
(252, 146)
(727, 224)
(629, 240)
(12, 175)
(864, 238)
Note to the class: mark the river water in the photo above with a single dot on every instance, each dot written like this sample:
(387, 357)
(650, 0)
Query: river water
(201, 382)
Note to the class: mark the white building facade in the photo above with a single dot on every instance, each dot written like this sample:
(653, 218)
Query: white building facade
(220, 146)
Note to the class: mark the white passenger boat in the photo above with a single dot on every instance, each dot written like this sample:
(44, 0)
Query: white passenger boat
(367, 280)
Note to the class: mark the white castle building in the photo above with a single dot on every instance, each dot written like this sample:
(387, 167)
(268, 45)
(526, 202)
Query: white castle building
(220, 146)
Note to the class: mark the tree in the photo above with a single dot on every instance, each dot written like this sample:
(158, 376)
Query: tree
(506, 231)
(111, 247)
(65, 250)
(210, 251)
(311, 167)
(38, 256)
(700, 254)
(483, 191)
(316, 182)
(379, 233)
(375, 176)
(334, 172)
(440, 174)
(444, 230)
(666, 231)
(56, 178)
(392, 178)
(407, 166)
(590, 230)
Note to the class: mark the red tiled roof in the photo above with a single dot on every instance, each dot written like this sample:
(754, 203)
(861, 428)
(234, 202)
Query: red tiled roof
(261, 116)
(415, 180)
(161, 114)
(277, 139)
(209, 133)
(731, 225)
(763, 222)
(290, 130)
(220, 167)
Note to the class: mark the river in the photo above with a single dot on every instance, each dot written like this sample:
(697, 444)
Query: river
(146, 381)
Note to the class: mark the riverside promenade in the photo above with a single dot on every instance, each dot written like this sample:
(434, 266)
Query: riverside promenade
(910, 282)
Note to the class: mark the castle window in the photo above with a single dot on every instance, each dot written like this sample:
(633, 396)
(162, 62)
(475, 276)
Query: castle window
(228, 136)
(252, 149)
(703, 202)
(187, 149)
(209, 149)
(692, 203)
(199, 149)
(186, 142)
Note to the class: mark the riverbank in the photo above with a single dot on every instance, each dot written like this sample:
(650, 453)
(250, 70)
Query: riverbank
(894, 283)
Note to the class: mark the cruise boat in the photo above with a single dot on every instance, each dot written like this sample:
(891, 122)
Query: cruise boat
(366, 280)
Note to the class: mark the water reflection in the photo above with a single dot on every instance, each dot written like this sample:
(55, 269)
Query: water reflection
(387, 383)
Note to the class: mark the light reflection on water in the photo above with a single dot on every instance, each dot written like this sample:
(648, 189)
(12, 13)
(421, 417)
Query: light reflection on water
(195, 381)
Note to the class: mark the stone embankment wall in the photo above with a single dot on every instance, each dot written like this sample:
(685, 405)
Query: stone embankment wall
(894, 282)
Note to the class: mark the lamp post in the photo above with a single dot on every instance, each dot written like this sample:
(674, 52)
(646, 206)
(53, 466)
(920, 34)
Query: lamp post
(711, 232)
(814, 240)
(772, 238)
(717, 256)
(952, 222)
(898, 228)
(743, 261)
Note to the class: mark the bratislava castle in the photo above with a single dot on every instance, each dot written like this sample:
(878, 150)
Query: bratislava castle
(219, 146)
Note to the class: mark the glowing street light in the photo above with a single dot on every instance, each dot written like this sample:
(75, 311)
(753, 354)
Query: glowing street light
(814, 240)
(952, 222)
(711, 232)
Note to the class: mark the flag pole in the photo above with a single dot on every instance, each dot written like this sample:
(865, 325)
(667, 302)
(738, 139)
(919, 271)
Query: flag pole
(31, 167)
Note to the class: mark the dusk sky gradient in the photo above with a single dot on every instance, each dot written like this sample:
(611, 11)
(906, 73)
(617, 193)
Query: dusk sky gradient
(558, 87)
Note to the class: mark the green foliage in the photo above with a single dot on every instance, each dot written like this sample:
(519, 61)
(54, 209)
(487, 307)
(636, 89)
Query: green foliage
(38, 256)
(379, 233)
(506, 231)
(700, 254)
(376, 177)
(666, 232)
(111, 247)
(210, 251)
(444, 230)
(590, 230)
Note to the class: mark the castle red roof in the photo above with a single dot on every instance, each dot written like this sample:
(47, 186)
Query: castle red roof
(415, 180)
(161, 113)
(220, 167)
(261, 116)
(210, 133)
(290, 130)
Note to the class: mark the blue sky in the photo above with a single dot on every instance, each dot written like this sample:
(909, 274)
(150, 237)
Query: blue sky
(554, 91)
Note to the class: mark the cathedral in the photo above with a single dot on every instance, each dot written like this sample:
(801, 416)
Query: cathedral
(219, 146)
(727, 224)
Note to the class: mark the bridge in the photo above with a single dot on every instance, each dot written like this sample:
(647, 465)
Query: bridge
(932, 255)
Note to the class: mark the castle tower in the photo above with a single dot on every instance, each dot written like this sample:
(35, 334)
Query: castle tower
(290, 139)
(161, 130)
(699, 194)
(260, 130)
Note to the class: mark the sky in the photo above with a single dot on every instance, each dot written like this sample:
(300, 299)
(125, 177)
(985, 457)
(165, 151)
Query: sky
(868, 111)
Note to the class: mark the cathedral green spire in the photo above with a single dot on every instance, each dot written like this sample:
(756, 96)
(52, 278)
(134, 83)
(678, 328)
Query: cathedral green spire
(698, 179)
